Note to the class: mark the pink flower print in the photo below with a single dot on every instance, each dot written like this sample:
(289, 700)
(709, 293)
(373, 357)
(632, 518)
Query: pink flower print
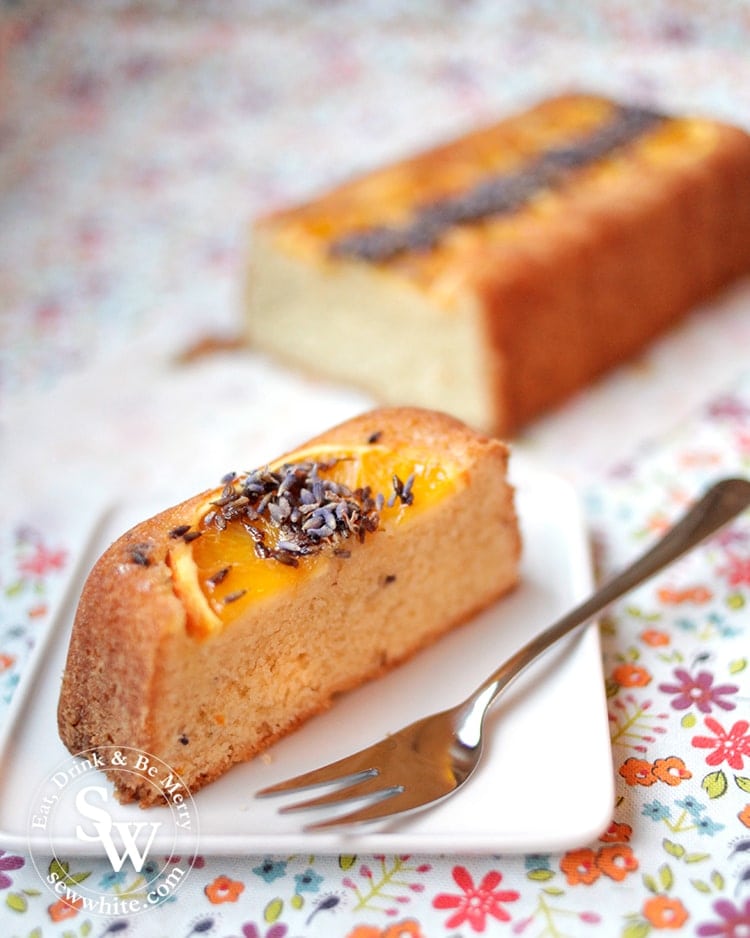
(8, 862)
(737, 571)
(43, 561)
(476, 902)
(728, 406)
(251, 930)
(735, 921)
(698, 691)
(743, 442)
(730, 746)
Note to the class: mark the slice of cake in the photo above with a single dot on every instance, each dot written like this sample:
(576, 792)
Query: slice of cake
(209, 631)
(495, 275)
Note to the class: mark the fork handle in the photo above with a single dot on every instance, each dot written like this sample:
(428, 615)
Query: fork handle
(722, 502)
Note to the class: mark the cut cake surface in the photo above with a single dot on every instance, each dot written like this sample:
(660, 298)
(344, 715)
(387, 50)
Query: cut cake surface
(212, 629)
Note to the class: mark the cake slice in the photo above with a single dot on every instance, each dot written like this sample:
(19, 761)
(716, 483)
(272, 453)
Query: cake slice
(494, 276)
(209, 631)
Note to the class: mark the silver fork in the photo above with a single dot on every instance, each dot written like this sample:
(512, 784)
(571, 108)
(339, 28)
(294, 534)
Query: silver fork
(432, 758)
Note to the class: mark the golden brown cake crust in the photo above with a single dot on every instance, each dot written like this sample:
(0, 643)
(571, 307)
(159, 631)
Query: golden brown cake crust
(413, 426)
(116, 639)
(555, 293)
(130, 642)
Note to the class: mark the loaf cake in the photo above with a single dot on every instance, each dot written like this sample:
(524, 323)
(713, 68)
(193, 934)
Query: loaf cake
(493, 276)
(212, 629)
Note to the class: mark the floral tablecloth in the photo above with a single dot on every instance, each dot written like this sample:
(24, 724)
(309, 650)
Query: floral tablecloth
(136, 140)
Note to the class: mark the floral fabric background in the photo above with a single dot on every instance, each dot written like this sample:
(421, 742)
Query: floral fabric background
(137, 140)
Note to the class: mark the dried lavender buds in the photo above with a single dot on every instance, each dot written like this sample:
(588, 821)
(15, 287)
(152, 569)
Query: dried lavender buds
(401, 490)
(233, 597)
(218, 576)
(496, 195)
(141, 554)
(307, 510)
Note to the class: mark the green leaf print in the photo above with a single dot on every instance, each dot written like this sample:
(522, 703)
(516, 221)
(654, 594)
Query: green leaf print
(636, 930)
(673, 849)
(16, 901)
(666, 878)
(715, 784)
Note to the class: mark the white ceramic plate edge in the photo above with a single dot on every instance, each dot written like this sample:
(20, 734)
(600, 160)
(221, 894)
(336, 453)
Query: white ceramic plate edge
(429, 834)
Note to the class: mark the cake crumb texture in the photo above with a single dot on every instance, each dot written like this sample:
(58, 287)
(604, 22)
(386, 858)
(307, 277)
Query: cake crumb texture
(138, 676)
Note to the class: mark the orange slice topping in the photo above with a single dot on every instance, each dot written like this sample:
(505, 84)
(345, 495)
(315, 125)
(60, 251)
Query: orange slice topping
(265, 529)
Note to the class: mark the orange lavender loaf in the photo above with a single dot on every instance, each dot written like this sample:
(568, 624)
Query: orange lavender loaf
(209, 631)
(494, 276)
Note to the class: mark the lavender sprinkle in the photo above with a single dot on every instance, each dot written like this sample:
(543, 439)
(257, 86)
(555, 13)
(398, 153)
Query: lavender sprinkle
(307, 510)
(233, 597)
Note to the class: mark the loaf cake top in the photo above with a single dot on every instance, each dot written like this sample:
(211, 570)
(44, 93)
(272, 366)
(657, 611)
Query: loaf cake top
(442, 217)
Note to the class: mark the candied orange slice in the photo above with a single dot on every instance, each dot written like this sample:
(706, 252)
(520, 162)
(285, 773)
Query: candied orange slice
(264, 530)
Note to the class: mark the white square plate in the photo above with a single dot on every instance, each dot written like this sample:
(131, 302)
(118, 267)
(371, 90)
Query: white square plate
(545, 783)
